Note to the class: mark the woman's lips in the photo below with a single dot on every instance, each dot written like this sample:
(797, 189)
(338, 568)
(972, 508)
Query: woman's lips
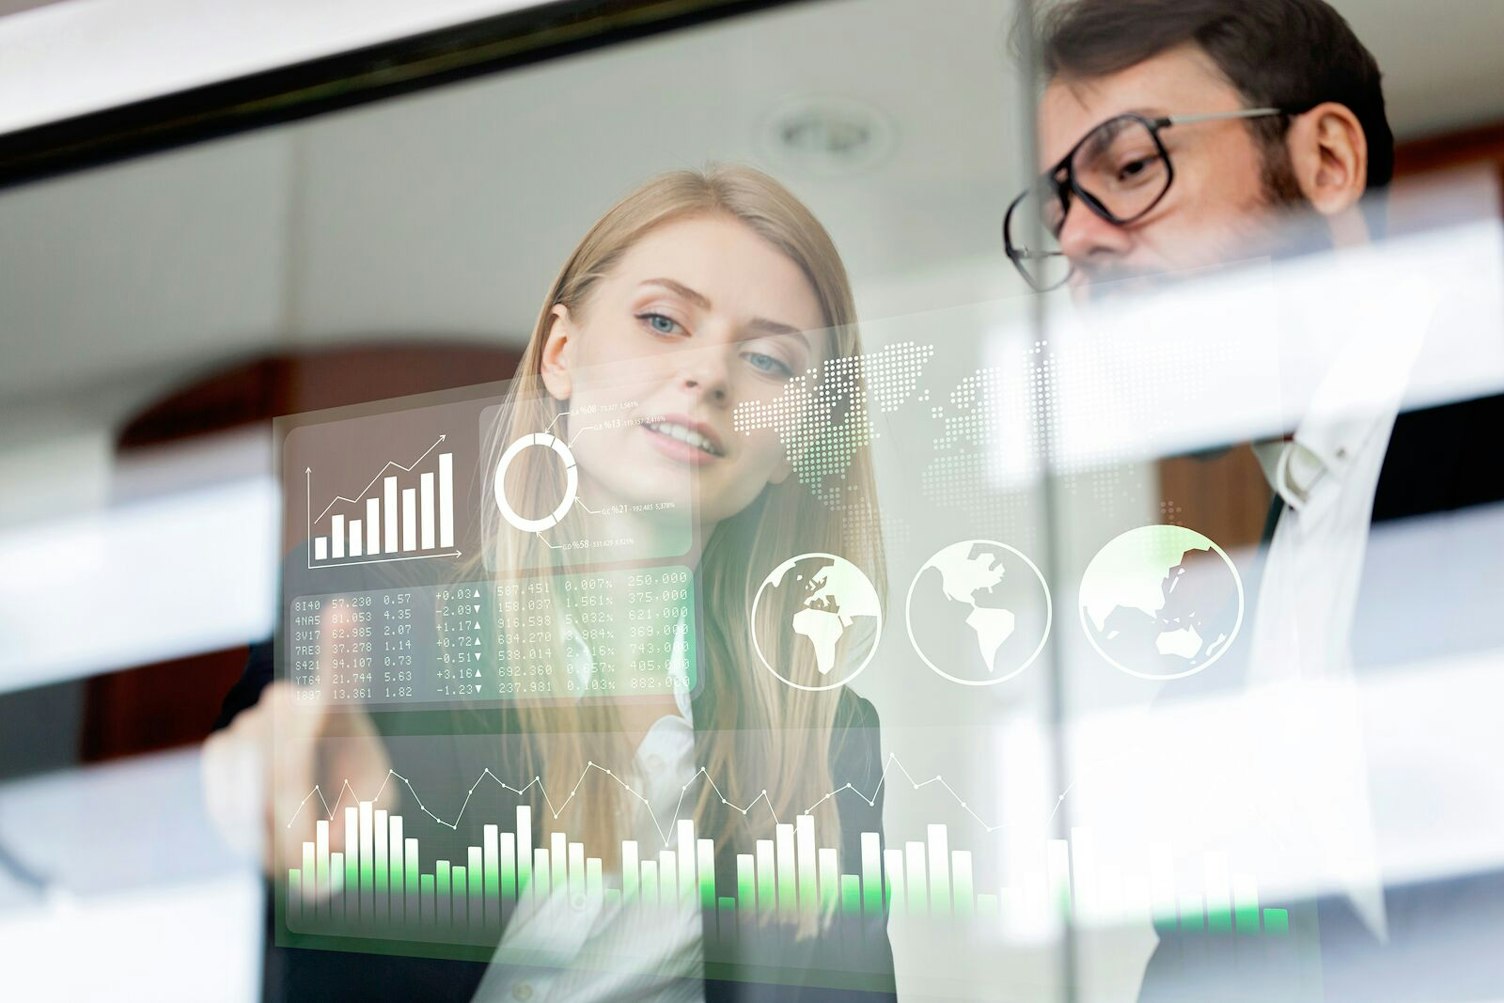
(703, 448)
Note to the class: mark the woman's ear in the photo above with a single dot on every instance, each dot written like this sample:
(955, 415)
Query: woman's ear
(558, 353)
(1329, 154)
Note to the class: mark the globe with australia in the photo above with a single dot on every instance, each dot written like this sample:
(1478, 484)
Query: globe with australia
(824, 611)
(1161, 602)
(978, 612)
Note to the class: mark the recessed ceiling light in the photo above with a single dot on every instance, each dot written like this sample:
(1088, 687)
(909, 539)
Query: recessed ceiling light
(827, 136)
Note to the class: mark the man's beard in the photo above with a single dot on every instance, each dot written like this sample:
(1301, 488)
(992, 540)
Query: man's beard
(1298, 228)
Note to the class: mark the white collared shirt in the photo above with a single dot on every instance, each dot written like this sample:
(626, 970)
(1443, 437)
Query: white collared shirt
(627, 957)
(1326, 476)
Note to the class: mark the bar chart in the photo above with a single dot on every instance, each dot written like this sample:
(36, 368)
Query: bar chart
(406, 512)
(383, 885)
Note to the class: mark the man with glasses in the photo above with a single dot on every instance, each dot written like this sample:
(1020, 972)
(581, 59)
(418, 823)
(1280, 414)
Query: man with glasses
(1186, 134)
(1181, 135)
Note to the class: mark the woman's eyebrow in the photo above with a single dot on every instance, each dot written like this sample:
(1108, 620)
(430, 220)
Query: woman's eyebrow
(761, 325)
(698, 299)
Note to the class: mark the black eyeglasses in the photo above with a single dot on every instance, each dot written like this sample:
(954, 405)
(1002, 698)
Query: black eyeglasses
(1119, 170)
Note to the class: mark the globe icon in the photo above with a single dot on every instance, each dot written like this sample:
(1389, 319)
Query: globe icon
(822, 610)
(1161, 602)
(978, 612)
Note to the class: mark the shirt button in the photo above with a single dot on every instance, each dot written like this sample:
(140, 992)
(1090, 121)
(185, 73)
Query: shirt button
(522, 991)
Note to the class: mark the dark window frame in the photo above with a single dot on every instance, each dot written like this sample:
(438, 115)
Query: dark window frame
(348, 79)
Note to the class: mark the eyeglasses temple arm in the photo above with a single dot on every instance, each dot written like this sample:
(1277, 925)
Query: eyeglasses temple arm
(1217, 115)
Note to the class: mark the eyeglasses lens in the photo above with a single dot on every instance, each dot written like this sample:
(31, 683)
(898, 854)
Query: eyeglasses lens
(1031, 237)
(1120, 167)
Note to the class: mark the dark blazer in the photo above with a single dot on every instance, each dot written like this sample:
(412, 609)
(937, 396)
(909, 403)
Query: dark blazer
(741, 969)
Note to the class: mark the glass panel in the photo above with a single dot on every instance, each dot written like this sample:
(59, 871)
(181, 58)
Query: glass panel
(820, 604)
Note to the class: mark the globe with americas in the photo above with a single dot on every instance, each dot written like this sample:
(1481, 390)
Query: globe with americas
(978, 612)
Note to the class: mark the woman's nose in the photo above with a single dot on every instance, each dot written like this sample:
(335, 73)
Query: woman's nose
(704, 373)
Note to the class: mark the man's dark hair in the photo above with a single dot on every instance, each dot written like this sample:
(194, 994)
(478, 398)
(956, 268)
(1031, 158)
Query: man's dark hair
(1288, 54)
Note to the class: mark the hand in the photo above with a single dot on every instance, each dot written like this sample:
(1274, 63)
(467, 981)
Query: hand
(259, 772)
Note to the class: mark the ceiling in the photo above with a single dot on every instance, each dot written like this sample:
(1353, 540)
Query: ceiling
(446, 213)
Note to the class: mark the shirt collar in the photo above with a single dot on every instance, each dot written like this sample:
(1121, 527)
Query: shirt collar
(1306, 468)
(581, 662)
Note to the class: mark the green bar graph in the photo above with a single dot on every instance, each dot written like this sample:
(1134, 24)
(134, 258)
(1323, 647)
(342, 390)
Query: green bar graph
(367, 861)
(872, 870)
(1085, 881)
(442, 912)
(491, 882)
(294, 895)
(337, 896)
(524, 847)
(410, 872)
(309, 871)
(375, 884)
(939, 863)
(918, 892)
(830, 879)
(1245, 903)
(1218, 893)
(379, 830)
(508, 867)
(767, 894)
(686, 851)
(558, 856)
(475, 872)
(705, 864)
(460, 896)
(351, 857)
(746, 882)
(321, 856)
(398, 882)
(1162, 904)
(788, 895)
(577, 873)
(804, 845)
(631, 870)
(961, 883)
(1059, 869)
(895, 882)
(851, 895)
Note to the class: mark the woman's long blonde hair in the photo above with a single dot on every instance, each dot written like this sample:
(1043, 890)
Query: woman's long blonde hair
(761, 733)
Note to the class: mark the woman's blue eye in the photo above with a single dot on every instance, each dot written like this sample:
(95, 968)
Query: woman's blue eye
(659, 323)
(767, 364)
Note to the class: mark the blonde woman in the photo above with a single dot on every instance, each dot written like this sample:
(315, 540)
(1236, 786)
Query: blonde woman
(696, 295)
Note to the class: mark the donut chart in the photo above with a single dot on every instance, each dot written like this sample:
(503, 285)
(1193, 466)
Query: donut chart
(571, 482)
